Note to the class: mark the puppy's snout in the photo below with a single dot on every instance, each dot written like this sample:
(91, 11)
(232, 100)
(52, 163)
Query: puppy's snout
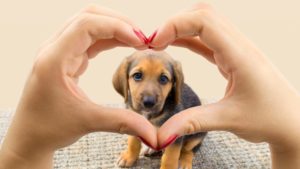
(149, 101)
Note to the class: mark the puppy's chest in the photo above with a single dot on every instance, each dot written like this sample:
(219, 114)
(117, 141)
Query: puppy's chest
(168, 112)
(156, 121)
(159, 120)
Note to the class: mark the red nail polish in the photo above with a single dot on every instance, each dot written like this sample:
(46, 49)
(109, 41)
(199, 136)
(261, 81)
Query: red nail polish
(141, 35)
(150, 47)
(146, 40)
(169, 141)
(150, 39)
(146, 142)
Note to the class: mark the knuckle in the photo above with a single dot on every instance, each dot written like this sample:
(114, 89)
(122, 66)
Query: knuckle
(117, 23)
(123, 128)
(193, 126)
(45, 63)
(203, 5)
(207, 13)
(203, 16)
(175, 22)
(40, 67)
(204, 13)
(90, 8)
(83, 19)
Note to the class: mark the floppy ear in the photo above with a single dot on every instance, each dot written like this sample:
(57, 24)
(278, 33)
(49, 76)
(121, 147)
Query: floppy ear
(120, 79)
(178, 81)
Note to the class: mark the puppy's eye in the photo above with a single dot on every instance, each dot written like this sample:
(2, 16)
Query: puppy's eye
(137, 76)
(163, 79)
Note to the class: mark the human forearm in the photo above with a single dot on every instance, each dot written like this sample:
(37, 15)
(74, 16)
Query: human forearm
(287, 154)
(20, 151)
(285, 159)
(12, 160)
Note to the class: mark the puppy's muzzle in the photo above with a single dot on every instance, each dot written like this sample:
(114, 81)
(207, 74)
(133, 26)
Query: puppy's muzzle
(149, 101)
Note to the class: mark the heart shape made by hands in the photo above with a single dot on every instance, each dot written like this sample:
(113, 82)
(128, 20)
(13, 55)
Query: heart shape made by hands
(144, 38)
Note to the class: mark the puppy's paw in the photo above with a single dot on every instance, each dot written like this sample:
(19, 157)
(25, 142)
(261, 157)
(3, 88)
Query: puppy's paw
(126, 159)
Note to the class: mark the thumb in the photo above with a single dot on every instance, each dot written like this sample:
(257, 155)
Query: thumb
(121, 121)
(204, 118)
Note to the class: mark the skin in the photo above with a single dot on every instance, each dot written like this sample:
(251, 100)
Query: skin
(259, 104)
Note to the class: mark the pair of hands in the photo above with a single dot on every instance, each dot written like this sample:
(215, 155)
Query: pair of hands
(54, 112)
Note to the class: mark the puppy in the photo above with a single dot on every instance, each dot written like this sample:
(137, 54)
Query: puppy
(152, 85)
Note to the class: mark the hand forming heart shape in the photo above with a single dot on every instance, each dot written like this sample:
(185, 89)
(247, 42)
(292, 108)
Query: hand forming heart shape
(54, 112)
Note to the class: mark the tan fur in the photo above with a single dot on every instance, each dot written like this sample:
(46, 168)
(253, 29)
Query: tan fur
(186, 159)
(170, 157)
(152, 69)
(120, 81)
(157, 119)
(130, 155)
(179, 81)
(188, 146)
(187, 154)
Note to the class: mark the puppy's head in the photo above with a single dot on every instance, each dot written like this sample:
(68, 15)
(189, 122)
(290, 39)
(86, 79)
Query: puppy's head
(146, 79)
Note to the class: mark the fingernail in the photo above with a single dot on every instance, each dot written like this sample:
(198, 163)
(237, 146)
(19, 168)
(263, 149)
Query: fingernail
(146, 40)
(141, 35)
(169, 141)
(150, 47)
(146, 142)
(151, 37)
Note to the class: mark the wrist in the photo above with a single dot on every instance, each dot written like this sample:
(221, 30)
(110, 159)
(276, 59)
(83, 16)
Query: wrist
(19, 151)
(285, 153)
(285, 158)
(11, 159)
(23, 147)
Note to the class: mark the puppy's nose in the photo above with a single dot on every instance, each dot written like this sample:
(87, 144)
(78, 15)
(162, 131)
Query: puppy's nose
(149, 101)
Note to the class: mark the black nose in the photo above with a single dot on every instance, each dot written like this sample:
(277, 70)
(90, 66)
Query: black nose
(149, 101)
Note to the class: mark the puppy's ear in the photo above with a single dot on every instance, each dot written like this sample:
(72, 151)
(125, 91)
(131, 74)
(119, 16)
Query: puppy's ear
(178, 81)
(120, 79)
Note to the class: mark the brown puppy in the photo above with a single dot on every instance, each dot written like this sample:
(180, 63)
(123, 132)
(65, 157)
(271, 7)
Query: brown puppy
(152, 85)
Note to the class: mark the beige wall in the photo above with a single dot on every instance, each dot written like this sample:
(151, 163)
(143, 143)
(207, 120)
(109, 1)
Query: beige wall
(273, 25)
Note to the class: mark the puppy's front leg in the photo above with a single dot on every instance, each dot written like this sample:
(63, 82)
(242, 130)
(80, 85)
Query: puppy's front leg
(171, 156)
(129, 156)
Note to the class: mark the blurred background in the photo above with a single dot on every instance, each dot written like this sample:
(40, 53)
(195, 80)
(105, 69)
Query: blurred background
(272, 25)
